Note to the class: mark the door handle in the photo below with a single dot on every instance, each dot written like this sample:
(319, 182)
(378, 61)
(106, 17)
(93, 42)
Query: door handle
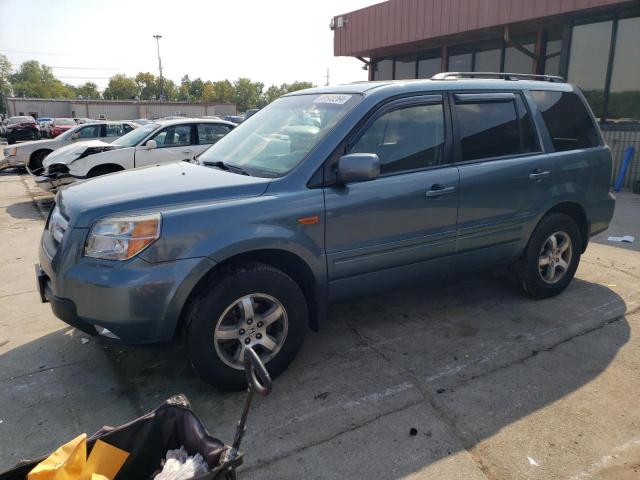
(187, 152)
(437, 191)
(539, 175)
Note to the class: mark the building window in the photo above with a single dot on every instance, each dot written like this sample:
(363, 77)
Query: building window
(624, 93)
(552, 52)
(588, 61)
(429, 63)
(488, 57)
(516, 61)
(383, 69)
(405, 67)
(460, 59)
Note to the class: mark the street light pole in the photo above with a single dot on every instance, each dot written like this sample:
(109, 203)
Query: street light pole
(158, 37)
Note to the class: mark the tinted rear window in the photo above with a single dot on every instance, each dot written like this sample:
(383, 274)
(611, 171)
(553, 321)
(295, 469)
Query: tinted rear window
(567, 120)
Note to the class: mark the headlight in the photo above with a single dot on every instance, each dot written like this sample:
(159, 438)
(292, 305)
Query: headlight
(10, 152)
(121, 238)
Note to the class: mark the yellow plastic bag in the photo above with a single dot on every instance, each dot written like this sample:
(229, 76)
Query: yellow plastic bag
(70, 462)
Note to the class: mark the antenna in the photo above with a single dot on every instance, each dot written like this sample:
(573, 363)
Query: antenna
(327, 76)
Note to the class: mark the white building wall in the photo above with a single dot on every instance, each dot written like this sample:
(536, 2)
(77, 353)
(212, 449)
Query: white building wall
(41, 108)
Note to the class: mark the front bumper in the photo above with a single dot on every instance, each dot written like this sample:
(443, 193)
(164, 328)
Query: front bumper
(11, 162)
(51, 183)
(136, 301)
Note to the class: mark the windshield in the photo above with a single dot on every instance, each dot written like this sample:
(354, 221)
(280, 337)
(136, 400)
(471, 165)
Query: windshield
(134, 137)
(276, 139)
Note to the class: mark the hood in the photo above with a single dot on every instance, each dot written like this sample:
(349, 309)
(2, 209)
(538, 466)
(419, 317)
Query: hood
(33, 145)
(71, 152)
(153, 188)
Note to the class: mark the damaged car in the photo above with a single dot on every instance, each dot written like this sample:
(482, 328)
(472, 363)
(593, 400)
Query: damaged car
(32, 154)
(159, 142)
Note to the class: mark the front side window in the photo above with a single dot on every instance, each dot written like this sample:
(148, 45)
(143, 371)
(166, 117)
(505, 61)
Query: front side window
(91, 131)
(126, 127)
(174, 136)
(408, 138)
(488, 129)
(567, 120)
(274, 141)
(210, 133)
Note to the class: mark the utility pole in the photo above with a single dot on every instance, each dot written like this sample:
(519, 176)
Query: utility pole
(327, 84)
(158, 37)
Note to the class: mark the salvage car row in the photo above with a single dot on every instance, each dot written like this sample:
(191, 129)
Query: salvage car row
(99, 148)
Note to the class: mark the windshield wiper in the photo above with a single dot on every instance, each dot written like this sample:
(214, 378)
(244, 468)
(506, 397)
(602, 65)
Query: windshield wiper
(225, 166)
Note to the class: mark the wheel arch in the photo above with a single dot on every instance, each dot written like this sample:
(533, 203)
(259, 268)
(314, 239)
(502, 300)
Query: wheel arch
(107, 167)
(284, 260)
(37, 152)
(578, 214)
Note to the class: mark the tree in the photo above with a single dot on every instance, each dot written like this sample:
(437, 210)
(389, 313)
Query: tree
(121, 87)
(196, 90)
(5, 86)
(169, 88)
(246, 93)
(274, 92)
(88, 90)
(185, 86)
(37, 81)
(148, 87)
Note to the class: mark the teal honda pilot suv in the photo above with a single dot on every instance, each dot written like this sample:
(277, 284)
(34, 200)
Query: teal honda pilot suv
(326, 194)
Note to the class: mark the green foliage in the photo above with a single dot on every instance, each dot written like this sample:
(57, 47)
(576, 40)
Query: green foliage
(37, 81)
(88, 90)
(247, 94)
(121, 87)
(5, 86)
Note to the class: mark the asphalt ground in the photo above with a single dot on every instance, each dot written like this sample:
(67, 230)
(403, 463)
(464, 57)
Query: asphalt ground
(467, 379)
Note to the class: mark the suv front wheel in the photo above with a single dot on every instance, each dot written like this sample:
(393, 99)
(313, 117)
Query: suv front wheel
(552, 256)
(254, 305)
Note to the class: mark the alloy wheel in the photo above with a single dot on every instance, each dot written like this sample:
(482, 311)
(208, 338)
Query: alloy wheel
(555, 257)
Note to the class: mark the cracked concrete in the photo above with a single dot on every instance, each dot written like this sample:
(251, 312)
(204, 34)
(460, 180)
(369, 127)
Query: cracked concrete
(492, 385)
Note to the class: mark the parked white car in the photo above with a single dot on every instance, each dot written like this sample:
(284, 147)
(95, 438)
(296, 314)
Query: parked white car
(31, 154)
(162, 141)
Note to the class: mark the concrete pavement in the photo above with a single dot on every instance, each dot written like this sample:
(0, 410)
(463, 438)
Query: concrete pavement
(496, 386)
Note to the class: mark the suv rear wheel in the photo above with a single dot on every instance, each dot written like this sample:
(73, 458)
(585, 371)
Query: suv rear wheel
(254, 305)
(552, 256)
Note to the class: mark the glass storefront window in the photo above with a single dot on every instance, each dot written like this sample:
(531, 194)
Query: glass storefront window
(460, 59)
(383, 69)
(517, 62)
(488, 57)
(588, 61)
(429, 64)
(554, 45)
(624, 94)
(405, 67)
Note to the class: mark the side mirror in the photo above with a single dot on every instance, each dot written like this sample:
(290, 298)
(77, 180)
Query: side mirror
(151, 144)
(75, 136)
(358, 167)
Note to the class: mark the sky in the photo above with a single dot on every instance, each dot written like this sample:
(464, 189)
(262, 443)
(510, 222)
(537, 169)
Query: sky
(271, 41)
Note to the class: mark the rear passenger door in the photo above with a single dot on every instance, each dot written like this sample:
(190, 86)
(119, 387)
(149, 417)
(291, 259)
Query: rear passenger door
(504, 176)
(401, 226)
(174, 143)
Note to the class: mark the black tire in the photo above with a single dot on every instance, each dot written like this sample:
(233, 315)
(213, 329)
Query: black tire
(529, 267)
(208, 307)
(98, 171)
(36, 136)
(35, 164)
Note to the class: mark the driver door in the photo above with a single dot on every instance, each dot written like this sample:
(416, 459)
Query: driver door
(400, 227)
(89, 132)
(174, 143)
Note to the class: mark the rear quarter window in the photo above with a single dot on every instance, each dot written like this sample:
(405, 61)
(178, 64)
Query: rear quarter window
(567, 119)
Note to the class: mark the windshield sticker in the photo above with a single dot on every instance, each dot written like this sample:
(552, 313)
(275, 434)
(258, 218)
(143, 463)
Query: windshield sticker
(334, 98)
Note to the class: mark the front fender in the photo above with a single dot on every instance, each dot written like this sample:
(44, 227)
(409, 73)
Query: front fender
(81, 167)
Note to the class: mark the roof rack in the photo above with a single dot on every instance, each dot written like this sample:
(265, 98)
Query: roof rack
(502, 75)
